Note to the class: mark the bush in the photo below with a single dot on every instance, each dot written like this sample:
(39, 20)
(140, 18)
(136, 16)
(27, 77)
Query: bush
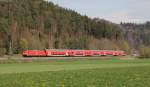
(123, 45)
(144, 52)
(2, 51)
(23, 44)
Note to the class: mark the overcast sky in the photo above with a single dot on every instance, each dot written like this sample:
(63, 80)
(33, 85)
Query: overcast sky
(113, 10)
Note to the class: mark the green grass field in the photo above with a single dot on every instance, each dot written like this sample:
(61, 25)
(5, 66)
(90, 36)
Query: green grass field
(77, 73)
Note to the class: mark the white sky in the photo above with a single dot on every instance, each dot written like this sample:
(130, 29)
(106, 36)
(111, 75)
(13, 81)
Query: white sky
(137, 11)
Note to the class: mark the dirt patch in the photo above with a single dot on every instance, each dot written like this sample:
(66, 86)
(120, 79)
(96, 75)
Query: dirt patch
(126, 58)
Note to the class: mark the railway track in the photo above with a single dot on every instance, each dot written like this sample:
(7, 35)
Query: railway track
(53, 58)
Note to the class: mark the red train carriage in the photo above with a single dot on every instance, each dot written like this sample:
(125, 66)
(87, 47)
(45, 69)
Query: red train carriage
(118, 53)
(70, 53)
(55, 52)
(89, 53)
(103, 52)
(34, 53)
(79, 53)
(122, 53)
(96, 53)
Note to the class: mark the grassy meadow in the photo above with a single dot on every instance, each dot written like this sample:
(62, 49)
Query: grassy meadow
(77, 73)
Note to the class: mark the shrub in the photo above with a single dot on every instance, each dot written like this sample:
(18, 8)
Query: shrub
(2, 51)
(123, 45)
(144, 52)
(23, 44)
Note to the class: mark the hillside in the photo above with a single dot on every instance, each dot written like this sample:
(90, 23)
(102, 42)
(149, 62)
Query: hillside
(37, 24)
(137, 34)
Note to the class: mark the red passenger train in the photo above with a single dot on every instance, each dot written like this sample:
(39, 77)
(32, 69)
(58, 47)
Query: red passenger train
(75, 53)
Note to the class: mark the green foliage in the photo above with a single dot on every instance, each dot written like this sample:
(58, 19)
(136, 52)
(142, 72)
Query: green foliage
(2, 51)
(144, 52)
(23, 44)
(124, 46)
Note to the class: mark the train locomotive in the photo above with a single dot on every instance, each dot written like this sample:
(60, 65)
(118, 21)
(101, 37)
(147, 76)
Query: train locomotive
(71, 53)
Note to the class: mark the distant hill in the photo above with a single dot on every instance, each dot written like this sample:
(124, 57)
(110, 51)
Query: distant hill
(37, 24)
(137, 34)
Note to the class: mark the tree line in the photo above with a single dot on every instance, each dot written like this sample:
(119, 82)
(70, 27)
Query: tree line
(38, 24)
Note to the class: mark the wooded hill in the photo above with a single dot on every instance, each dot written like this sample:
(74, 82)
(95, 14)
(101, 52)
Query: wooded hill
(37, 24)
(137, 34)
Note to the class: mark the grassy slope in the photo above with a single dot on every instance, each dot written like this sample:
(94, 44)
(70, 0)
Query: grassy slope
(72, 73)
(112, 77)
(53, 65)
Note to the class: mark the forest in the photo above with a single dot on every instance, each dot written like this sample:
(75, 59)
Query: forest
(38, 24)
